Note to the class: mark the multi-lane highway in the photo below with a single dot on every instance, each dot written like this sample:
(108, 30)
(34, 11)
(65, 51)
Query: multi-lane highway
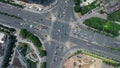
(59, 32)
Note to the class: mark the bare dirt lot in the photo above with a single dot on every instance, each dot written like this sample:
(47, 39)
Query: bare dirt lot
(82, 61)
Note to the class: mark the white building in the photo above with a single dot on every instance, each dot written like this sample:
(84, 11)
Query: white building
(87, 2)
(2, 35)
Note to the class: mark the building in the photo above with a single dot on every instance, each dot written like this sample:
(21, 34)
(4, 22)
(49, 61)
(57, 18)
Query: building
(86, 2)
(2, 37)
(111, 5)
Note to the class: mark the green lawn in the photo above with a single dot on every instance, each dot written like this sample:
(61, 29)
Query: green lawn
(23, 47)
(43, 65)
(31, 37)
(88, 8)
(32, 64)
(103, 25)
(116, 49)
(84, 9)
(42, 53)
(34, 39)
(115, 16)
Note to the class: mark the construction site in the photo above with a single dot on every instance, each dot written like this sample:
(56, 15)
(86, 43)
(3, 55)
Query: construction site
(84, 61)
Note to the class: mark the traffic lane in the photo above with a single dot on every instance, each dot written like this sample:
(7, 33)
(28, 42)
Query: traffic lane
(69, 13)
(57, 61)
(44, 31)
(71, 3)
(26, 15)
(99, 39)
(4, 5)
(59, 49)
(106, 41)
(53, 60)
(84, 34)
(60, 7)
(65, 30)
(50, 48)
(15, 10)
(87, 46)
(95, 38)
(10, 21)
(110, 42)
(60, 31)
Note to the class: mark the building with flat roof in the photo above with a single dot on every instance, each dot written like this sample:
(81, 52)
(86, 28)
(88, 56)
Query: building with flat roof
(111, 5)
(86, 2)
(2, 36)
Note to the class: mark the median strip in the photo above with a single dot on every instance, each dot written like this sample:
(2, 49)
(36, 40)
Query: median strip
(3, 13)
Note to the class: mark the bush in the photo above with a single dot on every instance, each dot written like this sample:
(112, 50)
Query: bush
(77, 2)
(34, 39)
(86, 9)
(77, 8)
(7, 29)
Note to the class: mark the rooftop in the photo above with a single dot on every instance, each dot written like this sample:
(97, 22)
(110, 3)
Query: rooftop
(87, 2)
(1, 37)
(111, 5)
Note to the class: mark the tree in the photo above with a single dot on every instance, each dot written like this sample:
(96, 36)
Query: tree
(77, 8)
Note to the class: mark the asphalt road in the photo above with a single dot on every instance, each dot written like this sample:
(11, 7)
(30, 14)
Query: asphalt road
(60, 31)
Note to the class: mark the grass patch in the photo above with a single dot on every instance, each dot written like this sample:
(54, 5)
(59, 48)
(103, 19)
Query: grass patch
(34, 39)
(115, 16)
(32, 64)
(42, 53)
(23, 47)
(43, 65)
(116, 49)
(84, 9)
(31, 37)
(103, 25)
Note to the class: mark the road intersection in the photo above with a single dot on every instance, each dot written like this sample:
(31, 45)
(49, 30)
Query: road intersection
(59, 32)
